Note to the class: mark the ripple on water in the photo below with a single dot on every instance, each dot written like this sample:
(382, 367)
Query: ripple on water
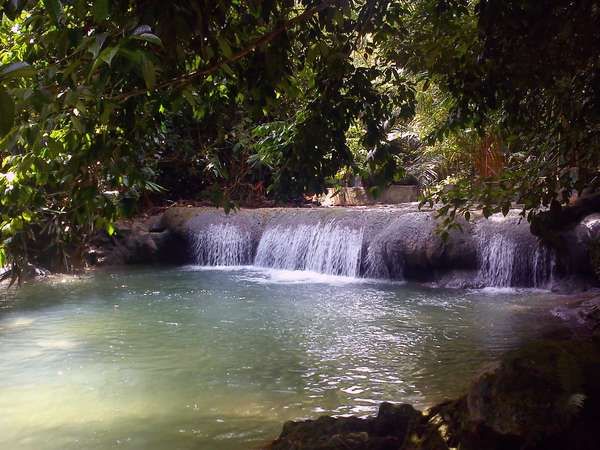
(220, 358)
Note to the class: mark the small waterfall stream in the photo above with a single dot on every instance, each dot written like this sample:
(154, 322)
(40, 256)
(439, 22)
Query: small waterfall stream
(222, 245)
(513, 260)
(376, 245)
(326, 248)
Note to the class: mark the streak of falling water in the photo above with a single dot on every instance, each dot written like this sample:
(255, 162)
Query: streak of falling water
(497, 257)
(504, 262)
(326, 248)
(222, 245)
(508, 255)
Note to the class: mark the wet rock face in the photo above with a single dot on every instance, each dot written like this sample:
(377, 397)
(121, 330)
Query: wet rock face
(139, 242)
(398, 243)
(396, 427)
(412, 240)
(545, 396)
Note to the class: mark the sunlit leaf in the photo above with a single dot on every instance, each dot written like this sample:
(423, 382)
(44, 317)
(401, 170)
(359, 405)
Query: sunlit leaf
(149, 37)
(110, 229)
(141, 30)
(16, 70)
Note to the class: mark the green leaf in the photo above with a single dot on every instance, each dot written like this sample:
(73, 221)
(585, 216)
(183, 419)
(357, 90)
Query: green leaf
(189, 96)
(225, 48)
(101, 10)
(96, 46)
(7, 112)
(149, 73)
(227, 70)
(16, 70)
(110, 229)
(108, 54)
(141, 30)
(107, 110)
(149, 37)
(55, 10)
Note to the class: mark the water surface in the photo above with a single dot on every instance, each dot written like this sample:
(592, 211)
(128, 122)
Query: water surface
(190, 358)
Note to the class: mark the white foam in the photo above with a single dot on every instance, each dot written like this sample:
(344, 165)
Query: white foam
(282, 276)
(57, 344)
(200, 268)
(265, 275)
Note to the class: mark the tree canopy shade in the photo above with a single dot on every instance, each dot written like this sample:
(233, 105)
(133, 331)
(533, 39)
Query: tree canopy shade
(531, 78)
(87, 85)
(101, 101)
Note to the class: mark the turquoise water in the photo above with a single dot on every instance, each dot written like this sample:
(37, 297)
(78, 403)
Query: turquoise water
(186, 358)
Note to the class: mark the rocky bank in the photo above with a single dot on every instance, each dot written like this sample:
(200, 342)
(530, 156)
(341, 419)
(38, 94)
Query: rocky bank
(544, 396)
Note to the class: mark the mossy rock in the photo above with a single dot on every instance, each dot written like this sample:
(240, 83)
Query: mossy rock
(538, 390)
(396, 427)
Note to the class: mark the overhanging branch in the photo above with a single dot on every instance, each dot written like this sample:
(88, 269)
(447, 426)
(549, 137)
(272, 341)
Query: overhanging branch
(200, 73)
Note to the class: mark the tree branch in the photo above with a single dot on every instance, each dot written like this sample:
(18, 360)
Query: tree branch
(257, 43)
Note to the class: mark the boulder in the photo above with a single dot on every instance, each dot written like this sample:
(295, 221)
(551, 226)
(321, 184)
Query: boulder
(542, 395)
(396, 427)
(135, 242)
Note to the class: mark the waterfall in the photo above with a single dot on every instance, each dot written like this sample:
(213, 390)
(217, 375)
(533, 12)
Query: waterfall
(380, 243)
(222, 245)
(378, 264)
(320, 247)
(544, 264)
(496, 261)
(508, 262)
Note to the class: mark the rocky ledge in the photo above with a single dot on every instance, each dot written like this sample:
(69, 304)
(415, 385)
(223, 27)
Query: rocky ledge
(399, 242)
(394, 427)
(545, 396)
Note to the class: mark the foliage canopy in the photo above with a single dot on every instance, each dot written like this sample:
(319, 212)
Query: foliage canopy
(102, 102)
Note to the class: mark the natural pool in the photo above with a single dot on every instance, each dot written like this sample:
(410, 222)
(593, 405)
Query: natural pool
(190, 358)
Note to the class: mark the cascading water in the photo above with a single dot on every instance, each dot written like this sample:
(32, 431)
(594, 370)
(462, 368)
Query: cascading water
(222, 245)
(326, 248)
(496, 259)
(383, 244)
(544, 264)
(508, 259)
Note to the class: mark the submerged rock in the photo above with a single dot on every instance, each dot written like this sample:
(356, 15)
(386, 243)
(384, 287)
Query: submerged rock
(537, 390)
(544, 396)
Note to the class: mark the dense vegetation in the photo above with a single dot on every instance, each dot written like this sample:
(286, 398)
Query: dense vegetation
(104, 104)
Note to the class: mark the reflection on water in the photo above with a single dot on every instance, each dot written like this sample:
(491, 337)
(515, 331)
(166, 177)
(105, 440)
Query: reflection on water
(214, 359)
